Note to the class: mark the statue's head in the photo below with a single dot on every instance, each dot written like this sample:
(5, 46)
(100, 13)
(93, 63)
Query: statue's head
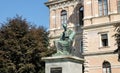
(65, 26)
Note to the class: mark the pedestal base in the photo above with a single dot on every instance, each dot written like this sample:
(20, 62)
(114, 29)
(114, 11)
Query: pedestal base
(63, 64)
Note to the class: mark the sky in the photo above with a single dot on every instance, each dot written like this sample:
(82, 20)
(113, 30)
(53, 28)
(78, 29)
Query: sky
(34, 11)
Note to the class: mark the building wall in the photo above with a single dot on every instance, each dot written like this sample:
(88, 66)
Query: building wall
(91, 13)
(94, 26)
(94, 63)
(95, 55)
(93, 42)
(72, 8)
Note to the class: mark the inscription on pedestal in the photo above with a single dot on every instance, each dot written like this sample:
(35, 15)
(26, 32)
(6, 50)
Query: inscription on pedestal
(56, 70)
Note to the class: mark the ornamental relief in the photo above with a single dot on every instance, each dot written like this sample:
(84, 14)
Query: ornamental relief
(63, 5)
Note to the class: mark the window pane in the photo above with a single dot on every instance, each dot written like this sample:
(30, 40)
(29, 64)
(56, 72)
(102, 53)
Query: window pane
(81, 9)
(100, 2)
(81, 46)
(100, 7)
(108, 70)
(104, 36)
(103, 7)
(104, 42)
(119, 9)
(100, 10)
(105, 12)
(104, 39)
(104, 70)
(63, 12)
(118, 2)
(64, 17)
(106, 67)
(100, 13)
(105, 2)
(118, 5)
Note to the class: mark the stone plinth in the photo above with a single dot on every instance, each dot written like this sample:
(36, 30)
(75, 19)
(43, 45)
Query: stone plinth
(63, 64)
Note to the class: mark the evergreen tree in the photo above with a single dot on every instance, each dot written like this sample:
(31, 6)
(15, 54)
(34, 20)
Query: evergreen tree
(22, 46)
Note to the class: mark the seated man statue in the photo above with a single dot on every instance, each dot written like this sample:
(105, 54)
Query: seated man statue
(64, 43)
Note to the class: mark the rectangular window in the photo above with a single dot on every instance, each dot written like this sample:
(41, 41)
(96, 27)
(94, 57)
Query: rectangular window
(103, 7)
(63, 17)
(118, 3)
(104, 40)
(81, 46)
(81, 15)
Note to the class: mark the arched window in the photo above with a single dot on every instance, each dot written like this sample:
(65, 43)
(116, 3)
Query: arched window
(63, 17)
(103, 7)
(81, 16)
(106, 67)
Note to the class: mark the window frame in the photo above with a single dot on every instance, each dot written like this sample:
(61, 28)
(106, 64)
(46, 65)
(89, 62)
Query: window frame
(81, 46)
(81, 14)
(100, 39)
(63, 17)
(118, 6)
(103, 7)
(106, 67)
(104, 40)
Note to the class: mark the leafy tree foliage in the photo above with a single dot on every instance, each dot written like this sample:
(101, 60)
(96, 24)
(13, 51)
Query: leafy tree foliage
(117, 37)
(22, 46)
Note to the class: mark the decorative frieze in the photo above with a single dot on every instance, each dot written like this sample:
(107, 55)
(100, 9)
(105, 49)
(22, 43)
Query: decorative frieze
(63, 4)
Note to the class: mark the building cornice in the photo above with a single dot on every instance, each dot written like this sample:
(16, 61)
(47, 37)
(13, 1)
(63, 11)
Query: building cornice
(63, 57)
(60, 28)
(55, 2)
(98, 53)
(100, 25)
(97, 16)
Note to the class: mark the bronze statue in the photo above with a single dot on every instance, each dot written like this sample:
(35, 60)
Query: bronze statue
(64, 43)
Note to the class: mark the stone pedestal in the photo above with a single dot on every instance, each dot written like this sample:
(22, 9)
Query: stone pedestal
(63, 64)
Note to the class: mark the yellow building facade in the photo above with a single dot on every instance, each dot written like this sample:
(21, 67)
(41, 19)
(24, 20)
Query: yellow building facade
(93, 21)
